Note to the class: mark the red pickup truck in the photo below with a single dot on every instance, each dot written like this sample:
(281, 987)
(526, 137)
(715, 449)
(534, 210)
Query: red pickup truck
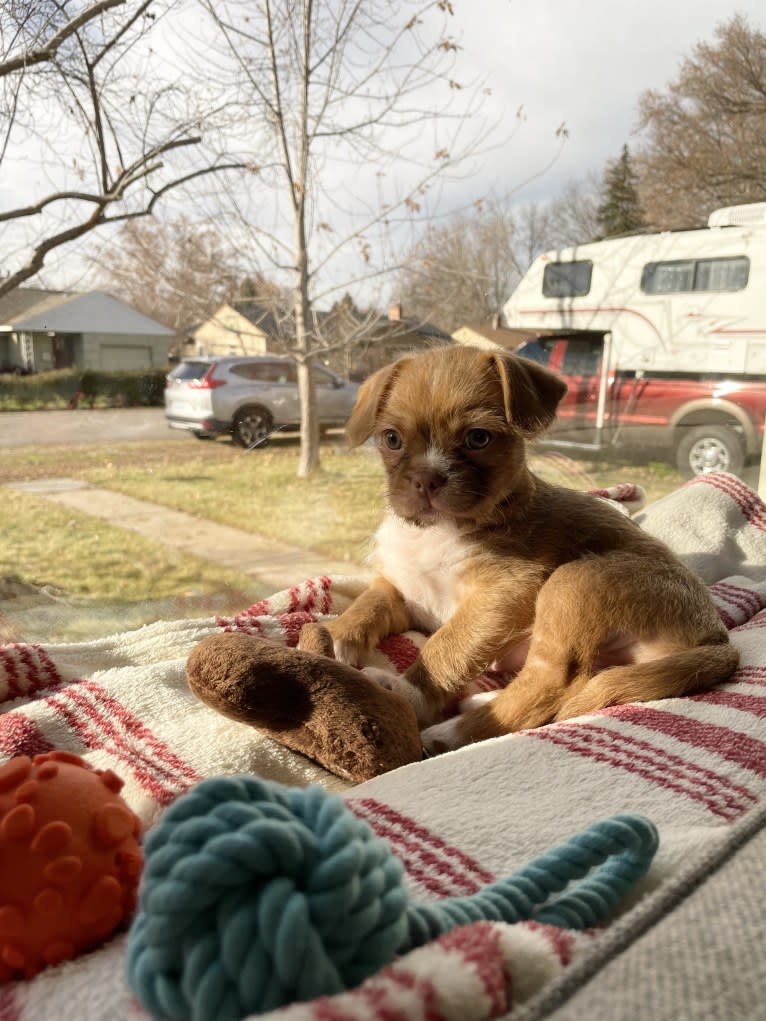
(705, 422)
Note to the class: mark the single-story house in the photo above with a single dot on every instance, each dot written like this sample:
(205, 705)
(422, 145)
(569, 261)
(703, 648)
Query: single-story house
(42, 330)
(357, 343)
(390, 337)
(491, 335)
(238, 328)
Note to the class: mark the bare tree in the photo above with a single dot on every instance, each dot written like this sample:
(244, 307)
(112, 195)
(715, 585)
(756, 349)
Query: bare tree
(464, 269)
(351, 113)
(93, 130)
(573, 214)
(703, 141)
(178, 272)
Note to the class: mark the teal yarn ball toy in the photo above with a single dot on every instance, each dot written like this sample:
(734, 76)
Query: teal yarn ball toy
(255, 895)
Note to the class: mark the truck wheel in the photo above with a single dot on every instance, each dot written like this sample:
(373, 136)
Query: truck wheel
(252, 427)
(709, 448)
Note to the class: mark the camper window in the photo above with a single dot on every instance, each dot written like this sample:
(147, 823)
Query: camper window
(695, 275)
(721, 274)
(567, 279)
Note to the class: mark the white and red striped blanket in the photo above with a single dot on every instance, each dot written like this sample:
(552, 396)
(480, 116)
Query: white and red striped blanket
(695, 766)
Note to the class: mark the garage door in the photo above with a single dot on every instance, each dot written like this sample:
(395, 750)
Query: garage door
(125, 357)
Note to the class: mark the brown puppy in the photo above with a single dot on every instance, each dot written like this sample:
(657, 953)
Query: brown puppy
(500, 566)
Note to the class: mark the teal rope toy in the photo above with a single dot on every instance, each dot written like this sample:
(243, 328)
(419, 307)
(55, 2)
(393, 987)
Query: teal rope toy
(256, 895)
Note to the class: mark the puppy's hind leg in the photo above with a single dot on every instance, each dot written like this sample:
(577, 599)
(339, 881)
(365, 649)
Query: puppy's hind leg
(557, 664)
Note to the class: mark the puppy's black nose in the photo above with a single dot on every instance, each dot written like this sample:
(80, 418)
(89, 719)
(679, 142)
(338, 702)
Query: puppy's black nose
(427, 481)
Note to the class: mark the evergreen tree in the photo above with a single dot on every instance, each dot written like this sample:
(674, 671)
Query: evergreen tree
(619, 211)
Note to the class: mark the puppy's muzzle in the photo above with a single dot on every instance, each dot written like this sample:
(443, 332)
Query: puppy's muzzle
(426, 482)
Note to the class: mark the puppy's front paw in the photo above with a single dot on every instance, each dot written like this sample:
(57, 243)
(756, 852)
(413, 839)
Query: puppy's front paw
(393, 682)
(347, 652)
(444, 737)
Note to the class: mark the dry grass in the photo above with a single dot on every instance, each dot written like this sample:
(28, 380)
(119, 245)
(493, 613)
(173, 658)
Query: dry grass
(67, 576)
(98, 578)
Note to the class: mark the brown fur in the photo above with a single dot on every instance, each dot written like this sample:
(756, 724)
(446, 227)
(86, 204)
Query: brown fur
(608, 612)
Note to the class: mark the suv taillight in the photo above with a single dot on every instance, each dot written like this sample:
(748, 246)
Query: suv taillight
(208, 381)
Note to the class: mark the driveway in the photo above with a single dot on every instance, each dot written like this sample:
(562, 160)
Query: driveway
(26, 428)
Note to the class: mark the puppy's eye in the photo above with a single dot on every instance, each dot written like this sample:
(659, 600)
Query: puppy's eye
(392, 439)
(477, 439)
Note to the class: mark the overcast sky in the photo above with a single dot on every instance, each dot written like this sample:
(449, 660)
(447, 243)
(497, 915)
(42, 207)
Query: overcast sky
(582, 62)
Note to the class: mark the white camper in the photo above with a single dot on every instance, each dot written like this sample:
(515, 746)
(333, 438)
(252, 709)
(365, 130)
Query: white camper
(661, 339)
(678, 301)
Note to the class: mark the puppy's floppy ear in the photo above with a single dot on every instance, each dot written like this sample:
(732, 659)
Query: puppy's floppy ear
(531, 393)
(369, 400)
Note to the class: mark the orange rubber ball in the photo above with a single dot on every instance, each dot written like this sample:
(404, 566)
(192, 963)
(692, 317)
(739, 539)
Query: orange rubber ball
(69, 860)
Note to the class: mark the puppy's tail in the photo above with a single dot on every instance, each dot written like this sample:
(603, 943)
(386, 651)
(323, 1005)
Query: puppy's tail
(679, 673)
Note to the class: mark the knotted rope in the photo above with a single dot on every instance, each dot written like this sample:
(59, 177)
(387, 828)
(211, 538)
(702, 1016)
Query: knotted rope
(255, 895)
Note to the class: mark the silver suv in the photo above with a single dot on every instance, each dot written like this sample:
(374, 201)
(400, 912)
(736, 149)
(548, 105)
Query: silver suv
(249, 397)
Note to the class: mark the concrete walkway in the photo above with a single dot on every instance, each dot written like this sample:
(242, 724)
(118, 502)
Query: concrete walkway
(275, 564)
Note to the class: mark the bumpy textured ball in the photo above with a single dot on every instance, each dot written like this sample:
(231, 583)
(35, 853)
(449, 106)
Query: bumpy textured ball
(255, 895)
(69, 860)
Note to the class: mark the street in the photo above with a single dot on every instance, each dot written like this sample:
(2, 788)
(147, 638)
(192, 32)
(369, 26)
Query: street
(33, 428)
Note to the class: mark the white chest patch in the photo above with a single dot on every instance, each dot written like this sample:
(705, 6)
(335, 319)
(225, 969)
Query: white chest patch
(425, 564)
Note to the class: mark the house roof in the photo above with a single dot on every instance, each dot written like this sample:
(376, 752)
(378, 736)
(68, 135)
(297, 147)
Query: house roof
(417, 326)
(253, 310)
(35, 310)
(339, 321)
(500, 335)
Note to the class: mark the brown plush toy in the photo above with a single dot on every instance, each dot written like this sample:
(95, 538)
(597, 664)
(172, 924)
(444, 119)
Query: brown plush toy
(306, 700)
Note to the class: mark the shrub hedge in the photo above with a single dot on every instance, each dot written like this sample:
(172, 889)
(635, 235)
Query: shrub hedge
(71, 388)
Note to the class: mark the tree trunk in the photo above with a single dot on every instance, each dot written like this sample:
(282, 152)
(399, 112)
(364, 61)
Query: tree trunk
(309, 457)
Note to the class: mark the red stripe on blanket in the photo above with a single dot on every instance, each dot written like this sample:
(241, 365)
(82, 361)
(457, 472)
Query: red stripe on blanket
(747, 600)
(438, 876)
(758, 621)
(318, 598)
(730, 744)
(480, 949)
(753, 704)
(750, 675)
(246, 621)
(135, 727)
(326, 604)
(718, 795)
(422, 986)
(295, 599)
(324, 1010)
(379, 810)
(749, 504)
(729, 622)
(21, 736)
(400, 650)
(561, 941)
(25, 668)
(380, 997)
(291, 624)
(156, 771)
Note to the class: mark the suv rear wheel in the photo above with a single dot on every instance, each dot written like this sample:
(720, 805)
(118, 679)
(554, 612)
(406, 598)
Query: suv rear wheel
(252, 427)
(709, 448)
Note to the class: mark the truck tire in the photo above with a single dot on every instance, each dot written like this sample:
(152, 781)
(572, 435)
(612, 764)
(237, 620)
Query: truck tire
(252, 427)
(709, 448)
